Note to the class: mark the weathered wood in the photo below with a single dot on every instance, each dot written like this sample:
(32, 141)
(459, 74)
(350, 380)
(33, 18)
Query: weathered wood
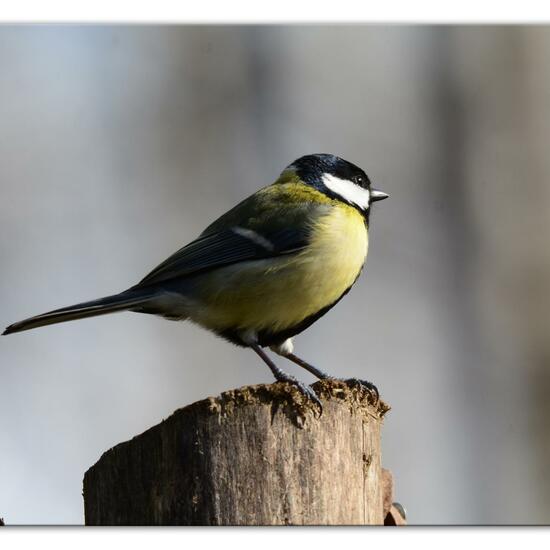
(258, 455)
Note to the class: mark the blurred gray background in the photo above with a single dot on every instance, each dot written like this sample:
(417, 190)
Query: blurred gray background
(119, 144)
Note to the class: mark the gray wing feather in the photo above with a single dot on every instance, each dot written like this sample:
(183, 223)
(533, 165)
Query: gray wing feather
(227, 247)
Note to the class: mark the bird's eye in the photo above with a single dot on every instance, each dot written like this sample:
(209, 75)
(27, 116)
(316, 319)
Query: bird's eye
(359, 180)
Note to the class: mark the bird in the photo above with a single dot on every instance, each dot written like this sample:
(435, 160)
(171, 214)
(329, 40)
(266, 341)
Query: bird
(264, 271)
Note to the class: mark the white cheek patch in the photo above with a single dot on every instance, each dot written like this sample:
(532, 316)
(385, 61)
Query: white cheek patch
(348, 190)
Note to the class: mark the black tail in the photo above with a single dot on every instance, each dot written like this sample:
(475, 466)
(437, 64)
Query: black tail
(109, 304)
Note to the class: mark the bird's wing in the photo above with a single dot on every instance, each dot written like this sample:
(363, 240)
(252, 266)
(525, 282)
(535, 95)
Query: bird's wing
(270, 223)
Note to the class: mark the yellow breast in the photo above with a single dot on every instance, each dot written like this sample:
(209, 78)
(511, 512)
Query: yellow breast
(276, 294)
(336, 254)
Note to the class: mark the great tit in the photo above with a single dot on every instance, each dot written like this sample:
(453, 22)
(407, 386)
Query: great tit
(265, 270)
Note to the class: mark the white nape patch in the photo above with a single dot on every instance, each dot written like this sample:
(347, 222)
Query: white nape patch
(348, 190)
(256, 238)
(285, 348)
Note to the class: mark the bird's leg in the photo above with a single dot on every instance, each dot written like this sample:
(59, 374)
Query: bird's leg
(282, 376)
(314, 370)
(286, 350)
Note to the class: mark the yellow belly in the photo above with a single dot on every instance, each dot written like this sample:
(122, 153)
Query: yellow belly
(277, 294)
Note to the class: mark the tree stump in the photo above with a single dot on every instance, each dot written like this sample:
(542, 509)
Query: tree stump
(258, 455)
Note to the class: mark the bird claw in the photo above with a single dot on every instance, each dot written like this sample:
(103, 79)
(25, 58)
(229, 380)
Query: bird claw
(369, 385)
(307, 391)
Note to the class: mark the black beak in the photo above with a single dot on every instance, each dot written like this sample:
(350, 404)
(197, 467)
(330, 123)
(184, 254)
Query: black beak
(376, 195)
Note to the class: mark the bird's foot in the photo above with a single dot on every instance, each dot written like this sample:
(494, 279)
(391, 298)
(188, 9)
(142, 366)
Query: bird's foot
(324, 376)
(282, 376)
(305, 390)
(365, 384)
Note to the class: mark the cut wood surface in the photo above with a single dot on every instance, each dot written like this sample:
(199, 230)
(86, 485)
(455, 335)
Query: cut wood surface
(258, 455)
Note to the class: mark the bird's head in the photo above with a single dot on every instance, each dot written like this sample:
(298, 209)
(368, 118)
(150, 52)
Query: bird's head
(338, 179)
